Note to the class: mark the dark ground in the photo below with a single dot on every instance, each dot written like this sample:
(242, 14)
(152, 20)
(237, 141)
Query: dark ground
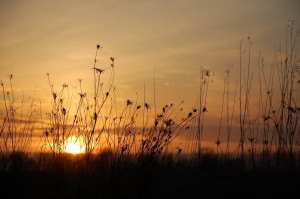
(171, 180)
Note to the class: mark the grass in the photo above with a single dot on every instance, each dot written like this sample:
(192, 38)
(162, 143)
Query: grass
(131, 153)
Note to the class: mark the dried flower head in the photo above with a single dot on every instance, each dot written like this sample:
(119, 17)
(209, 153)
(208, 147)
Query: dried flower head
(251, 139)
(82, 95)
(63, 111)
(266, 117)
(129, 102)
(179, 150)
(98, 70)
(54, 96)
(147, 106)
(291, 109)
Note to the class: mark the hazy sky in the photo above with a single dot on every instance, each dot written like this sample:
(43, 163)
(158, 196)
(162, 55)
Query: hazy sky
(175, 36)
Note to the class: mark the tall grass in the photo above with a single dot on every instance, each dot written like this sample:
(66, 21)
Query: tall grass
(16, 130)
(143, 133)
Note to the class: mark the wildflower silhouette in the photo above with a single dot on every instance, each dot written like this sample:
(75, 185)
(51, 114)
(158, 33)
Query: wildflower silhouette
(98, 70)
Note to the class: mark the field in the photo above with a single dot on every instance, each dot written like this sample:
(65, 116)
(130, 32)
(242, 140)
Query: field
(83, 146)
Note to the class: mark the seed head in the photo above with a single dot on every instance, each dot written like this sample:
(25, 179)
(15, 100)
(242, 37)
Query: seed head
(291, 109)
(129, 102)
(251, 139)
(82, 95)
(63, 111)
(266, 118)
(179, 150)
(147, 106)
(98, 70)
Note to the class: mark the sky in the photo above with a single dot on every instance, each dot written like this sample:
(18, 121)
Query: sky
(173, 38)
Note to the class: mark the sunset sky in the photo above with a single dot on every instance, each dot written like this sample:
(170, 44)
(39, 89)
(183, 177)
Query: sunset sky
(176, 37)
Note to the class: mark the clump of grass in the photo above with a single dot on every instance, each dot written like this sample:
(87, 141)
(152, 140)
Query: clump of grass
(87, 124)
(16, 130)
(229, 115)
(195, 133)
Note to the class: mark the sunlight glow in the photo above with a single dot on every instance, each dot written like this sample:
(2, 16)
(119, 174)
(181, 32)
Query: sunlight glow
(74, 145)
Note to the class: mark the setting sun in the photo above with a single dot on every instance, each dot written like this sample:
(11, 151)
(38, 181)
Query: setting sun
(74, 145)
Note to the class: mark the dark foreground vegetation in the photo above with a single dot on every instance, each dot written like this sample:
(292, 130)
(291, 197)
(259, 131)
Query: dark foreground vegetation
(165, 178)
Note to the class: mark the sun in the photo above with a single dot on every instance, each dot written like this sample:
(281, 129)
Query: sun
(74, 145)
